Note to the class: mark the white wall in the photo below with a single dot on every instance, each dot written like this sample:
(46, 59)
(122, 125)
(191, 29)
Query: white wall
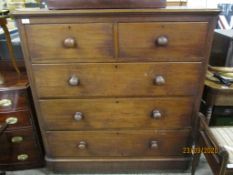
(207, 3)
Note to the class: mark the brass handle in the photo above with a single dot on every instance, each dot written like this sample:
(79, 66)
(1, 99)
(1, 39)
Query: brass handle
(154, 144)
(78, 116)
(11, 120)
(162, 41)
(69, 42)
(156, 114)
(74, 81)
(82, 145)
(5, 103)
(159, 80)
(22, 157)
(16, 139)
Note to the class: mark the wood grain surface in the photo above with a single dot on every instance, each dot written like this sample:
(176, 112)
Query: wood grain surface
(22, 116)
(186, 41)
(94, 42)
(116, 113)
(9, 151)
(102, 4)
(18, 100)
(122, 80)
(117, 143)
(114, 68)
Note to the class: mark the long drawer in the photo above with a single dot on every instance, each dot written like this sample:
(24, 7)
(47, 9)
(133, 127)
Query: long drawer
(91, 114)
(117, 143)
(122, 79)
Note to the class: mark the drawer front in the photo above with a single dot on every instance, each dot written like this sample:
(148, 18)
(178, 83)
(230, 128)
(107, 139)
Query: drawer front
(16, 119)
(96, 80)
(117, 143)
(163, 41)
(18, 146)
(13, 100)
(70, 42)
(89, 114)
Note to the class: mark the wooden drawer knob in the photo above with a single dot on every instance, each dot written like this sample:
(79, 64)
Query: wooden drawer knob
(156, 114)
(78, 116)
(162, 41)
(159, 80)
(11, 120)
(82, 145)
(69, 42)
(154, 144)
(22, 157)
(5, 103)
(74, 80)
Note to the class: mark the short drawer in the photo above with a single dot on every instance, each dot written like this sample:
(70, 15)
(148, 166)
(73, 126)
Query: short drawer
(117, 143)
(16, 119)
(12, 100)
(90, 114)
(162, 41)
(19, 146)
(70, 42)
(129, 79)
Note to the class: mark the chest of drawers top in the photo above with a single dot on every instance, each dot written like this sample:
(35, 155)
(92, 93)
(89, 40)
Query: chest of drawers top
(116, 35)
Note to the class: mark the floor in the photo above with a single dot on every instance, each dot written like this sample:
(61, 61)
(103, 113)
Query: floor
(203, 169)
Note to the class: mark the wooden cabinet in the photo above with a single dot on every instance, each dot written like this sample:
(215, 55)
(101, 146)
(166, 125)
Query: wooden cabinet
(117, 90)
(20, 143)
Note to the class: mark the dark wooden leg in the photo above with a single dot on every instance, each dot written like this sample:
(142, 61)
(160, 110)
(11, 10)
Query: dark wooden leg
(224, 159)
(196, 158)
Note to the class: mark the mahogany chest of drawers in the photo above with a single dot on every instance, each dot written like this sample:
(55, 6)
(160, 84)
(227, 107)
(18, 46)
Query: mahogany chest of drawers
(20, 146)
(117, 90)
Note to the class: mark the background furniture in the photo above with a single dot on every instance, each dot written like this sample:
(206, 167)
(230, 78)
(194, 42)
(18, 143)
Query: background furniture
(3, 24)
(217, 145)
(4, 55)
(105, 4)
(222, 49)
(217, 95)
(225, 18)
(20, 146)
(117, 90)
